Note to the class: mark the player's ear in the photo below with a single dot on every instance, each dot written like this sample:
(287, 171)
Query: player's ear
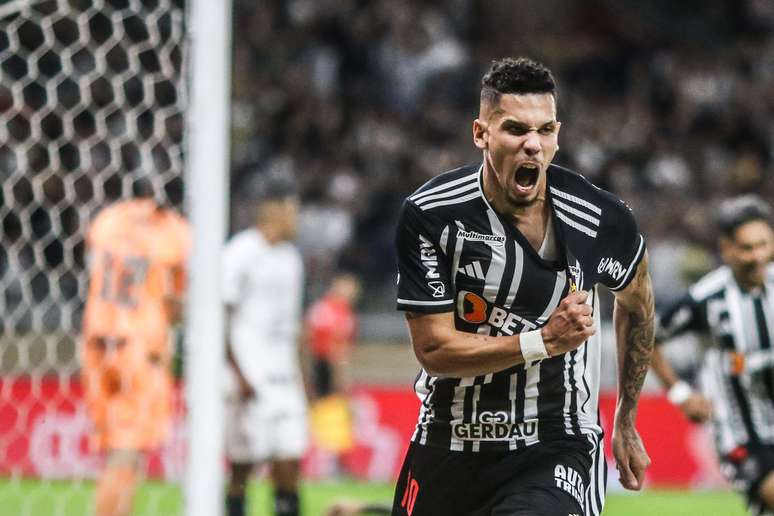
(480, 134)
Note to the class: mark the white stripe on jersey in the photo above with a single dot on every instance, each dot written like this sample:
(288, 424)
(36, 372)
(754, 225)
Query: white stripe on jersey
(446, 202)
(444, 240)
(448, 193)
(531, 396)
(425, 303)
(591, 372)
(577, 200)
(445, 186)
(630, 268)
(576, 225)
(595, 491)
(518, 271)
(710, 283)
(572, 211)
(494, 275)
(556, 297)
(715, 386)
(456, 258)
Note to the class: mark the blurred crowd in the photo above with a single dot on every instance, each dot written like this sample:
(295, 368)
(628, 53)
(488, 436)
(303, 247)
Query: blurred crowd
(668, 104)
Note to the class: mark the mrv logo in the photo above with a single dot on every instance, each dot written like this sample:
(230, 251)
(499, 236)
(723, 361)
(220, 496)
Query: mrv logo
(611, 267)
(428, 257)
(494, 426)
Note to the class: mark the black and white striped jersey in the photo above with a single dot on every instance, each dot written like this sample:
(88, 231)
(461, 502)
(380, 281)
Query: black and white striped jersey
(455, 253)
(736, 371)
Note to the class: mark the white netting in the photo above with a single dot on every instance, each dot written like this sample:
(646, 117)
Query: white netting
(91, 96)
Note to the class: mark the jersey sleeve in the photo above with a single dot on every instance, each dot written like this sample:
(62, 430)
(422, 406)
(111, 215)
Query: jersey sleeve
(233, 271)
(423, 269)
(623, 246)
(682, 316)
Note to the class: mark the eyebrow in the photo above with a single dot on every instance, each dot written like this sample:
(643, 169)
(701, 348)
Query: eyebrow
(524, 126)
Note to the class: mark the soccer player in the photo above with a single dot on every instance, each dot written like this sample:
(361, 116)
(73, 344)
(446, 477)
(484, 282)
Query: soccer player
(732, 307)
(498, 268)
(266, 403)
(330, 326)
(136, 254)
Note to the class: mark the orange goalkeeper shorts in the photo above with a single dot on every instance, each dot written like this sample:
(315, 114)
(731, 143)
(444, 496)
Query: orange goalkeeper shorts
(129, 398)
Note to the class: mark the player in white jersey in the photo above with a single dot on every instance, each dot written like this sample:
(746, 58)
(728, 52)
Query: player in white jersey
(266, 403)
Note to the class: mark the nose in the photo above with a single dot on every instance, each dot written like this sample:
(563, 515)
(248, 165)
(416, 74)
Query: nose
(532, 143)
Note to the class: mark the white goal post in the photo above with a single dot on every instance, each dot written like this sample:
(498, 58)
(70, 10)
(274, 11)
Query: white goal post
(207, 173)
(93, 95)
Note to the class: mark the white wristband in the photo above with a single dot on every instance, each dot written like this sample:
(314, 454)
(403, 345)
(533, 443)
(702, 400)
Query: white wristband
(679, 393)
(532, 346)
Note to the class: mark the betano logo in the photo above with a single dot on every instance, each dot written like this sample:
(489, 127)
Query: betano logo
(474, 309)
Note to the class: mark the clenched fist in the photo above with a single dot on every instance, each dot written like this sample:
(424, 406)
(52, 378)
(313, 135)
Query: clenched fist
(570, 324)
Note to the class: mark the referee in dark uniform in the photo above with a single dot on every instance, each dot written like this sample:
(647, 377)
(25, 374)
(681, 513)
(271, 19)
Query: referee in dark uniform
(499, 264)
(732, 308)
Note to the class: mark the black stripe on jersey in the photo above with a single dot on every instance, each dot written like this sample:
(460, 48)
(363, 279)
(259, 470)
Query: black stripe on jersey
(573, 393)
(765, 343)
(443, 395)
(550, 402)
(741, 397)
(429, 387)
(586, 386)
(501, 382)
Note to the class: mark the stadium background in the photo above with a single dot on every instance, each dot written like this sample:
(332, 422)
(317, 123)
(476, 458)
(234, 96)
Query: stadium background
(668, 104)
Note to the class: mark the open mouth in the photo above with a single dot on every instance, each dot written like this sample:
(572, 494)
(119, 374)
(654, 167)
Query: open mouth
(527, 176)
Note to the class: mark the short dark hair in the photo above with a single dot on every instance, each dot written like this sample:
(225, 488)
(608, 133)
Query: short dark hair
(738, 211)
(516, 75)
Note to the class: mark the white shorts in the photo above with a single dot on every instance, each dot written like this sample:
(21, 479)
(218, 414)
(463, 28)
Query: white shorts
(272, 427)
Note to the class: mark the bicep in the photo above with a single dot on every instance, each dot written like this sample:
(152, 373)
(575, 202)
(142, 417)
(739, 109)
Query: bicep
(428, 330)
(637, 297)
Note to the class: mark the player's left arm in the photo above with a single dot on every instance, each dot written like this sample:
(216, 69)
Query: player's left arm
(634, 321)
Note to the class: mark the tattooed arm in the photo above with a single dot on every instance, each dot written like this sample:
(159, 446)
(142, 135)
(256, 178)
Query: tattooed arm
(633, 317)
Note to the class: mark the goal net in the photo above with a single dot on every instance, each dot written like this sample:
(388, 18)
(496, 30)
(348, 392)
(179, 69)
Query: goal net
(91, 96)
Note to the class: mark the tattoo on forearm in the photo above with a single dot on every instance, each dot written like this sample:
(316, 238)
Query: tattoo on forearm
(636, 342)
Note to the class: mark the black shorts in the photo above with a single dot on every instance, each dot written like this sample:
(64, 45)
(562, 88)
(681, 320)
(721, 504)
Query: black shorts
(545, 479)
(746, 467)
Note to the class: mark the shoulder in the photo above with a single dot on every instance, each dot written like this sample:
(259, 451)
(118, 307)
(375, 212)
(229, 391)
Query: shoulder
(711, 284)
(570, 189)
(447, 189)
(245, 242)
(452, 194)
(108, 221)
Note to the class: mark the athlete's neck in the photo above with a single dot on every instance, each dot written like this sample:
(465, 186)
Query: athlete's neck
(271, 233)
(529, 218)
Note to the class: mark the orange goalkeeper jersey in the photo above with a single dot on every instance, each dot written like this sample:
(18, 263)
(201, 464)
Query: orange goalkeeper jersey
(137, 255)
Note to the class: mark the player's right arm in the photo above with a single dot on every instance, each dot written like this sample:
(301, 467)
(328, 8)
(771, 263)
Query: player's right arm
(234, 263)
(682, 317)
(425, 294)
(445, 351)
(246, 389)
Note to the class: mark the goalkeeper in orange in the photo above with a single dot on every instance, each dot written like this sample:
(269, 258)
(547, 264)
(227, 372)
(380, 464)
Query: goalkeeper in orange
(136, 254)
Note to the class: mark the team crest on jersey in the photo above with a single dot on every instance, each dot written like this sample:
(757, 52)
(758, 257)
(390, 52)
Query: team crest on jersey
(576, 282)
(474, 236)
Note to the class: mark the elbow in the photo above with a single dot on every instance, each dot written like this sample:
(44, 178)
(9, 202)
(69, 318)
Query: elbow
(428, 353)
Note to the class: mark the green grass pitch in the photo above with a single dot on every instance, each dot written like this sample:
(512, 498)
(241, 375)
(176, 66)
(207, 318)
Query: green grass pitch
(36, 498)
